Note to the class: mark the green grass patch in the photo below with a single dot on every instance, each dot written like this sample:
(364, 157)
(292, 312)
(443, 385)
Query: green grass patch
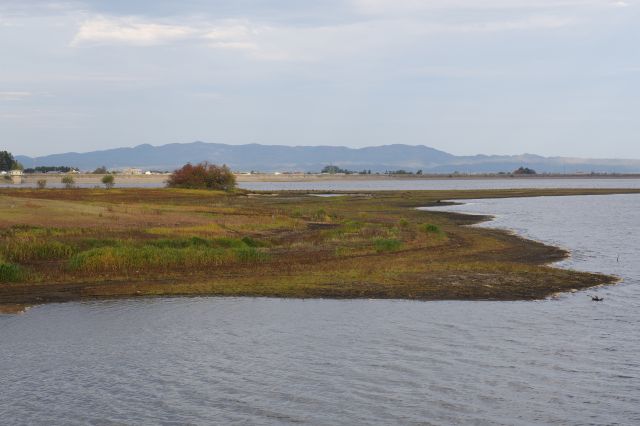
(252, 242)
(10, 273)
(89, 243)
(250, 255)
(320, 215)
(429, 228)
(386, 244)
(351, 226)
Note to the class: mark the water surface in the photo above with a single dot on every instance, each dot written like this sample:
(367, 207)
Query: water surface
(442, 184)
(383, 184)
(269, 361)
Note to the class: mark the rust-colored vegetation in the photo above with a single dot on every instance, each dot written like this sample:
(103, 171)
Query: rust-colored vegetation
(203, 176)
(58, 245)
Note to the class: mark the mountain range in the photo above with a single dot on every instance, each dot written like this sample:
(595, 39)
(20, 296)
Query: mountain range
(280, 158)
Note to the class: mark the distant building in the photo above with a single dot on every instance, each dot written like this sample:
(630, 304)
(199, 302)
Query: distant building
(16, 176)
(132, 171)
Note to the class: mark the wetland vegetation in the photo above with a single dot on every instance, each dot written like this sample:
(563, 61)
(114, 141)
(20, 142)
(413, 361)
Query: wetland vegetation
(70, 244)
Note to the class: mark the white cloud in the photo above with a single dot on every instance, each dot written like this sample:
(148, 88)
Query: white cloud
(248, 36)
(231, 35)
(14, 96)
(127, 30)
(304, 43)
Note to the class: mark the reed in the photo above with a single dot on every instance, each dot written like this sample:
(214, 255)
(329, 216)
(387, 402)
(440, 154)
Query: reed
(10, 273)
(162, 258)
(22, 250)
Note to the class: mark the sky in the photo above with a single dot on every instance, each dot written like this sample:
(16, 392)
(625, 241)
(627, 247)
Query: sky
(550, 77)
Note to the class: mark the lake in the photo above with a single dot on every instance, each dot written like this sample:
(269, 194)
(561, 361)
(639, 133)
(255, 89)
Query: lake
(443, 184)
(379, 184)
(270, 361)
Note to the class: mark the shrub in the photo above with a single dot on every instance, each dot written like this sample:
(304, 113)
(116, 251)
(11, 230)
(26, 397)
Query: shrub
(68, 181)
(41, 183)
(524, 171)
(429, 228)
(10, 273)
(108, 181)
(320, 216)
(203, 176)
(387, 244)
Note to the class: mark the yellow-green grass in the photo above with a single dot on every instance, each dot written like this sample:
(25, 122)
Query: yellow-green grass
(83, 243)
(159, 259)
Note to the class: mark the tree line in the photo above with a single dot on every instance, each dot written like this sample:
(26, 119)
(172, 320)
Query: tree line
(8, 163)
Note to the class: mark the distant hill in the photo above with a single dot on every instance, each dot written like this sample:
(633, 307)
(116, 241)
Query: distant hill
(272, 158)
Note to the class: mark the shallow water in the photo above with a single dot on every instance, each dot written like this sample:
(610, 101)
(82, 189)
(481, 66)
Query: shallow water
(269, 361)
(443, 184)
(389, 184)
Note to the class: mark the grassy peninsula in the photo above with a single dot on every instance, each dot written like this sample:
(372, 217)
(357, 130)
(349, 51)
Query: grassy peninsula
(71, 244)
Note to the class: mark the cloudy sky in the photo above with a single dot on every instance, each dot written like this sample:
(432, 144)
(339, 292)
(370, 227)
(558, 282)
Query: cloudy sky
(552, 77)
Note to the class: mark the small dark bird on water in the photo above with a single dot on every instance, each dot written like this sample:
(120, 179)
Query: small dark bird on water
(597, 299)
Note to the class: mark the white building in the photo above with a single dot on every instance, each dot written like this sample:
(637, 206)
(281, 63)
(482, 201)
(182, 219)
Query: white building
(132, 171)
(16, 176)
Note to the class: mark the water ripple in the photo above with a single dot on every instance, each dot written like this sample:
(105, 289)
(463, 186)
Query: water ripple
(269, 361)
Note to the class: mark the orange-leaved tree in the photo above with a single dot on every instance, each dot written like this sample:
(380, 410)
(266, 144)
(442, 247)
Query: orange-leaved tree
(203, 176)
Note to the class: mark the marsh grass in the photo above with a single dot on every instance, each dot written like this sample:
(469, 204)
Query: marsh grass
(252, 242)
(28, 250)
(320, 215)
(165, 257)
(387, 244)
(205, 242)
(10, 273)
(429, 228)
(220, 242)
(90, 243)
(201, 230)
(351, 227)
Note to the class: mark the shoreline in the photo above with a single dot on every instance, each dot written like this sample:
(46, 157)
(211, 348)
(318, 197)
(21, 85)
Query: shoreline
(518, 268)
(160, 179)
